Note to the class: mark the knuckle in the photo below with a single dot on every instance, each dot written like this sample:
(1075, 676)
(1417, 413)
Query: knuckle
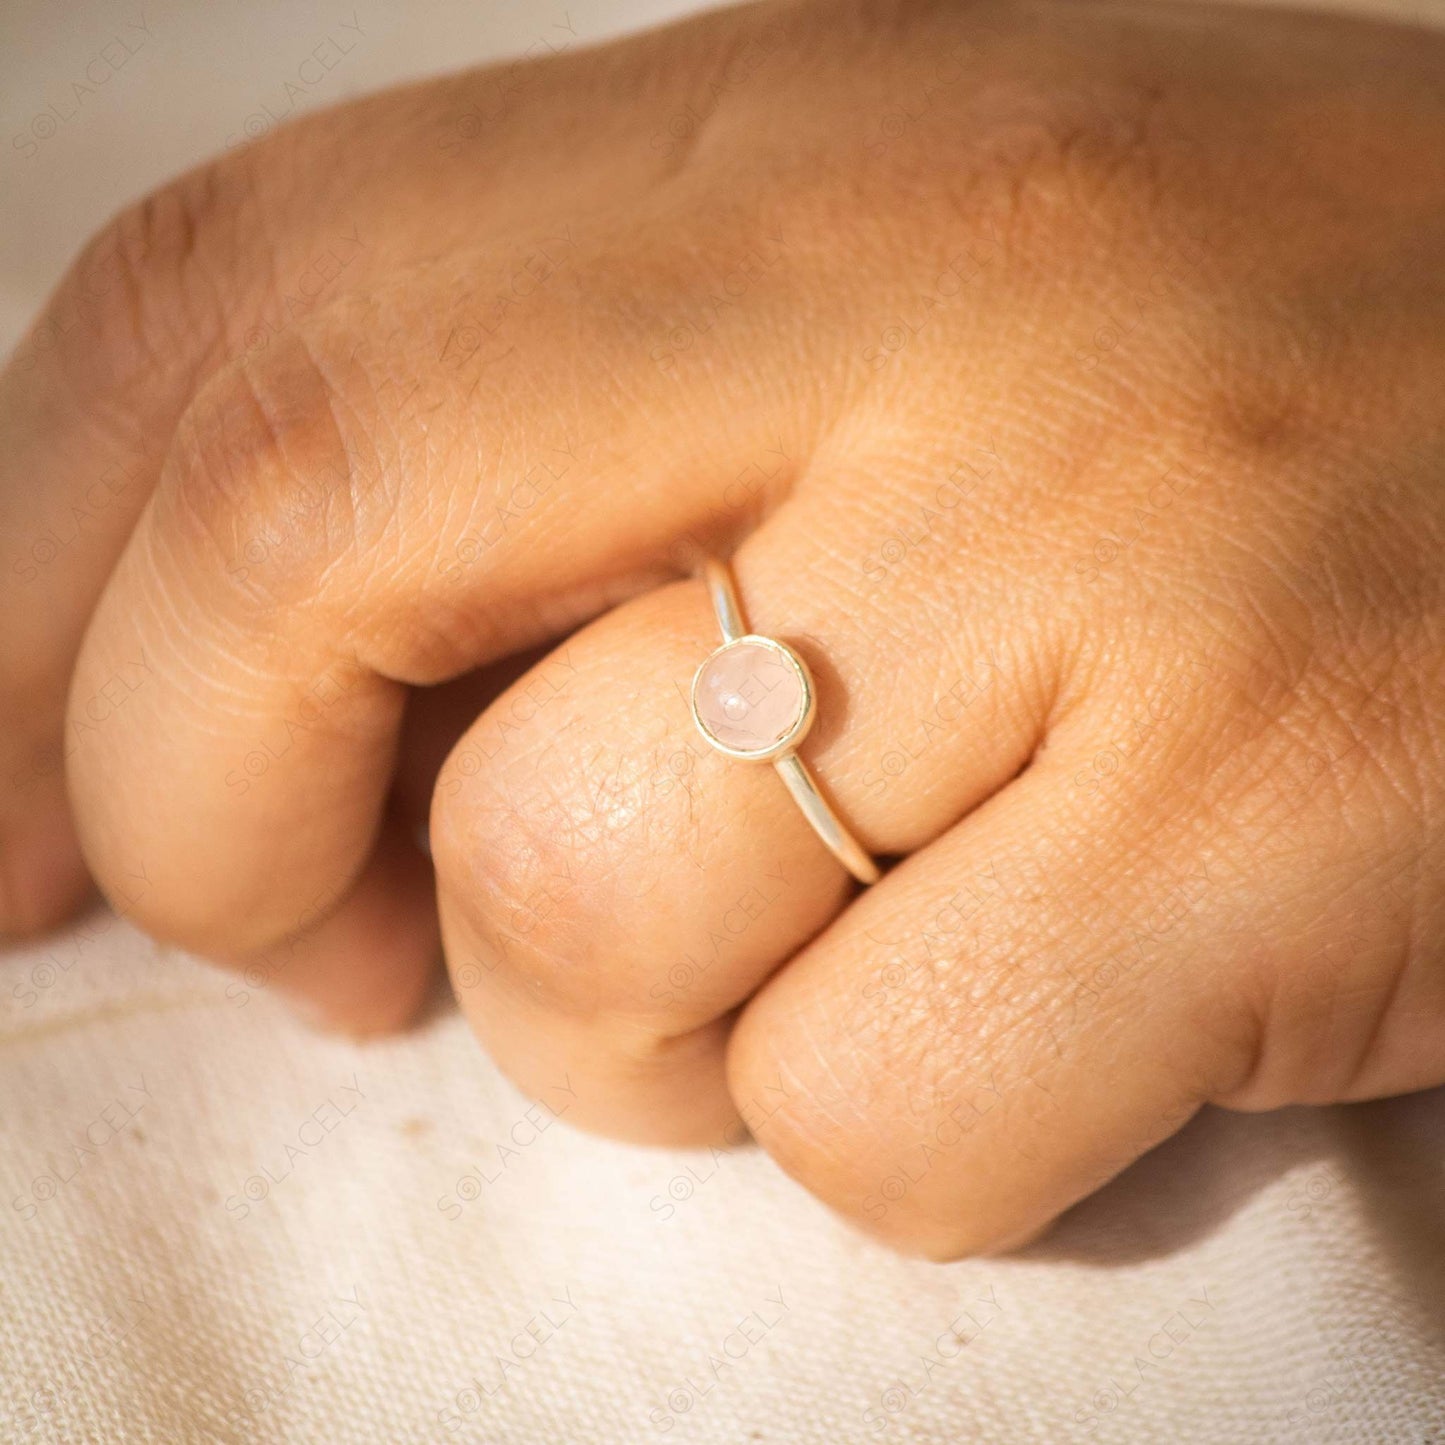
(1274, 420)
(1059, 153)
(1090, 152)
(271, 480)
(554, 847)
(526, 894)
(152, 277)
(522, 925)
(1323, 741)
(884, 1174)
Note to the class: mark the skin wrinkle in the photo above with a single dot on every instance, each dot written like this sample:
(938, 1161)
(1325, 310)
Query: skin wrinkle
(937, 992)
(818, 1143)
(1276, 1034)
(1378, 1004)
(1256, 1090)
(611, 785)
(1012, 1016)
(1412, 950)
(169, 224)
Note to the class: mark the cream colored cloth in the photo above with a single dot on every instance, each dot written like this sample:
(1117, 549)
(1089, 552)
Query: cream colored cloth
(216, 1226)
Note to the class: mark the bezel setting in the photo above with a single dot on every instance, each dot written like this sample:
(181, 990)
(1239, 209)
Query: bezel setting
(796, 732)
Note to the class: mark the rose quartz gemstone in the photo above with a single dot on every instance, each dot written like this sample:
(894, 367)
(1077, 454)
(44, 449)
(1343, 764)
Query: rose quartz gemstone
(749, 697)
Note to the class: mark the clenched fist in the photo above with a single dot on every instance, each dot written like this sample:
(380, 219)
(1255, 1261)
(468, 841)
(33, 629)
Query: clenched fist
(1064, 383)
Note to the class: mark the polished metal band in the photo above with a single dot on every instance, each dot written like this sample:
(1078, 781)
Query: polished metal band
(753, 698)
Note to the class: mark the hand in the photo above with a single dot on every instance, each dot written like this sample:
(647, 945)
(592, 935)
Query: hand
(1067, 380)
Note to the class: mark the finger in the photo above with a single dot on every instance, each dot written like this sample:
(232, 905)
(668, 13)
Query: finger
(316, 967)
(214, 266)
(1005, 1022)
(171, 289)
(363, 966)
(612, 889)
(367, 506)
(595, 909)
(436, 717)
(84, 406)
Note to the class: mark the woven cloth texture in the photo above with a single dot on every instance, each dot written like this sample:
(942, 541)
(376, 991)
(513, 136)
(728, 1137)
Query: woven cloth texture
(220, 1226)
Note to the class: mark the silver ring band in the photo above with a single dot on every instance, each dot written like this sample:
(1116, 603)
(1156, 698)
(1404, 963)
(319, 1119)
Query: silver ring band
(753, 698)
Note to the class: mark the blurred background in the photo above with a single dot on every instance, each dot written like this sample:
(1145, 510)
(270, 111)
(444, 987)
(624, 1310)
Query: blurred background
(102, 99)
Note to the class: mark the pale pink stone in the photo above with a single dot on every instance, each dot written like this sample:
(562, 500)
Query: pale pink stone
(749, 697)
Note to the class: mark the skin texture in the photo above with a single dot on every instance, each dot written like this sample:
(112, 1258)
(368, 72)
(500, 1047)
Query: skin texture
(1065, 380)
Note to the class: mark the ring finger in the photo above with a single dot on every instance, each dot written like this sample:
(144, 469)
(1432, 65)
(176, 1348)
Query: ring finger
(612, 888)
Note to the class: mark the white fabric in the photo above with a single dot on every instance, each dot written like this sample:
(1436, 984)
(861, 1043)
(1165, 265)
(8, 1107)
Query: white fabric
(216, 1226)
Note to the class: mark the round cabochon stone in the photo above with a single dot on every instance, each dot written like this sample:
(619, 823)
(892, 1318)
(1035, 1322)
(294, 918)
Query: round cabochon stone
(749, 696)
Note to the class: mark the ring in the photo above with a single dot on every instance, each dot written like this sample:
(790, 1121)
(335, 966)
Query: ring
(753, 698)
